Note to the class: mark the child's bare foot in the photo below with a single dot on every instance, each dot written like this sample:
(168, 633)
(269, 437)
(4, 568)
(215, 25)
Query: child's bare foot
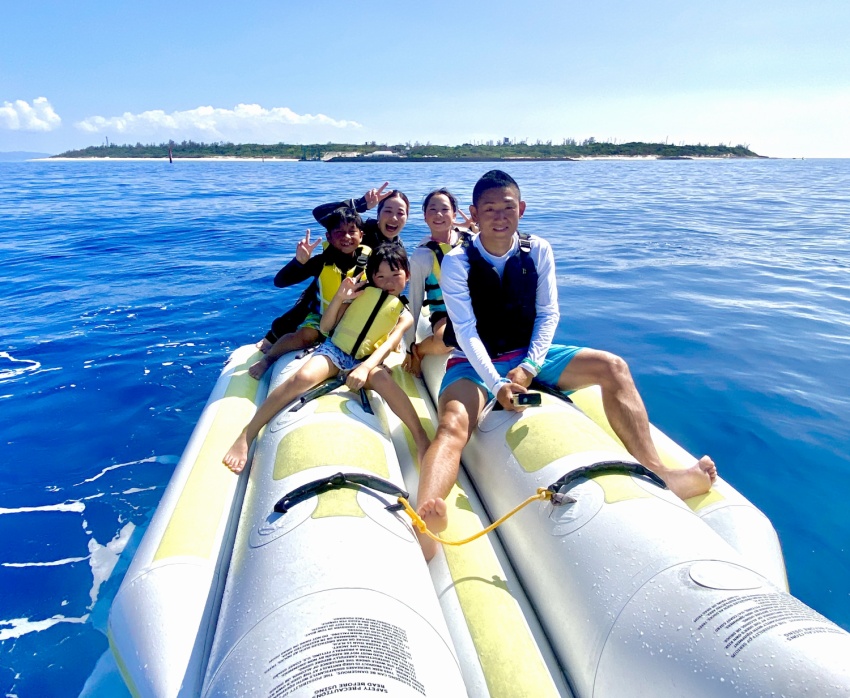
(692, 481)
(260, 367)
(263, 345)
(237, 456)
(433, 513)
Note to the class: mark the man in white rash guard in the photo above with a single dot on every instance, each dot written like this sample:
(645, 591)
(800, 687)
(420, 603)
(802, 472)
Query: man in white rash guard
(502, 299)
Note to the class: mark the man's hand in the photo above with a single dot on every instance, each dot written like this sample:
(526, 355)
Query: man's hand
(375, 196)
(506, 391)
(357, 377)
(304, 250)
(520, 376)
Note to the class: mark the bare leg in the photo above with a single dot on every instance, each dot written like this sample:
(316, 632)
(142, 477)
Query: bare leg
(263, 345)
(459, 408)
(434, 344)
(381, 381)
(313, 372)
(627, 416)
(302, 338)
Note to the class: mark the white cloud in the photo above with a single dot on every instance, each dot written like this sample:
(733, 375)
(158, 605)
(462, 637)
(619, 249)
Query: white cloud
(211, 123)
(21, 116)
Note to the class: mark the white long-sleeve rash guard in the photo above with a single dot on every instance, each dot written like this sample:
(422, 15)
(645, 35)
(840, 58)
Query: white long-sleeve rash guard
(455, 287)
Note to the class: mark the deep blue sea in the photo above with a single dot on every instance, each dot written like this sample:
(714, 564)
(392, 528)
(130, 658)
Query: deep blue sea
(125, 285)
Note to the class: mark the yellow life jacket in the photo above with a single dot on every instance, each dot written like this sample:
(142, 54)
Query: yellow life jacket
(367, 322)
(331, 276)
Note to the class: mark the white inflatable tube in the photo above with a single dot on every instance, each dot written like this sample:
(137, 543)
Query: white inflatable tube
(333, 597)
(160, 618)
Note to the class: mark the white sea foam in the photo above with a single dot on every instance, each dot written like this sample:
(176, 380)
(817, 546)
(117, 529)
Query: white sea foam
(165, 460)
(74, 506)
(103, 558)
(51, 563)
(28, 366)
(22, 626)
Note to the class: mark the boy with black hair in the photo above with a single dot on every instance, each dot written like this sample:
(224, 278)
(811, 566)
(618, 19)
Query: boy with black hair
(503, 324)
(343, 255)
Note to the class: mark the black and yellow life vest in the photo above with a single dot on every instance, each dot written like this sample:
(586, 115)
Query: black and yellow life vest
(367, 322)
(331, 276)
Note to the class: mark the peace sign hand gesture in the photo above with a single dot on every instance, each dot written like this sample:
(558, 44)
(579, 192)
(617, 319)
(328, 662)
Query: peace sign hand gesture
(304, 249)
(467, 222)
(350, 288)
(375, 196)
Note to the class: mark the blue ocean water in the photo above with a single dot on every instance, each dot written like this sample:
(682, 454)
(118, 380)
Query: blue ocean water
(725, 284)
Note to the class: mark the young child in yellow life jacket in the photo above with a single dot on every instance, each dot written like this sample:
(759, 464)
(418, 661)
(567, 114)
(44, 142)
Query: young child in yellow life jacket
(365, 324)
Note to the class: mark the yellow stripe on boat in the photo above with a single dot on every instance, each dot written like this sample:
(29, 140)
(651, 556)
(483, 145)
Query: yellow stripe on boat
(205, 499)
(352, 446)
(495, 621)
(534, 454)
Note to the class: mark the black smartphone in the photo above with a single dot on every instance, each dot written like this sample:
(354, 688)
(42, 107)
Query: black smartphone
(526, 399)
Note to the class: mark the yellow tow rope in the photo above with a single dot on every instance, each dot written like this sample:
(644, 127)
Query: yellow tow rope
(543, 494)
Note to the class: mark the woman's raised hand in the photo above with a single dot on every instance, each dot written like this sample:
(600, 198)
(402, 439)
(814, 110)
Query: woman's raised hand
(305, 249)
(375, 196)
(467, 222)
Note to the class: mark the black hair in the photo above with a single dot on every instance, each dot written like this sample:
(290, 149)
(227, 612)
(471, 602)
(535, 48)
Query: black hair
(394, 194)
(391, 253)
(494, 179)
(341, 216)
(445, 192)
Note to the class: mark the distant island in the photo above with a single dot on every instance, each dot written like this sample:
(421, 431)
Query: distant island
(505, 149)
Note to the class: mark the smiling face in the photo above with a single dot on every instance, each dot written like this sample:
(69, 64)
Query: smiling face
(497, 215)
(392, 217)
(390, 280)
(345, 238)
(440, 216)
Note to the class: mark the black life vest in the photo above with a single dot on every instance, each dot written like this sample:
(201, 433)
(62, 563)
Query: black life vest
(505, 308)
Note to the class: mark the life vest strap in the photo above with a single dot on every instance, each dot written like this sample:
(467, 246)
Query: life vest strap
(368, 324)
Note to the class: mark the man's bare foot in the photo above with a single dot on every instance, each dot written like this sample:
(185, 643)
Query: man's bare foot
(237, 456)
(260, 367)
(692, 481)
(263, 345)
(433, 513)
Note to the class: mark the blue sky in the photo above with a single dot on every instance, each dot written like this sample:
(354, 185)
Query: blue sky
(774, 75)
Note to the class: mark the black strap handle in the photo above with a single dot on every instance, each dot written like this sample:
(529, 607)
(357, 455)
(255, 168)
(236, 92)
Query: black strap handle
(607, 466)
(338, 481)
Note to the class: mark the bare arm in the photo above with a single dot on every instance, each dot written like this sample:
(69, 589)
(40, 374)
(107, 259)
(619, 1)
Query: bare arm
(348, 290)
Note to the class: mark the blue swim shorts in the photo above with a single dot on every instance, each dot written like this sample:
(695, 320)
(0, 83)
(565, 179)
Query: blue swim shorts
(557, 358)
(338, 357)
